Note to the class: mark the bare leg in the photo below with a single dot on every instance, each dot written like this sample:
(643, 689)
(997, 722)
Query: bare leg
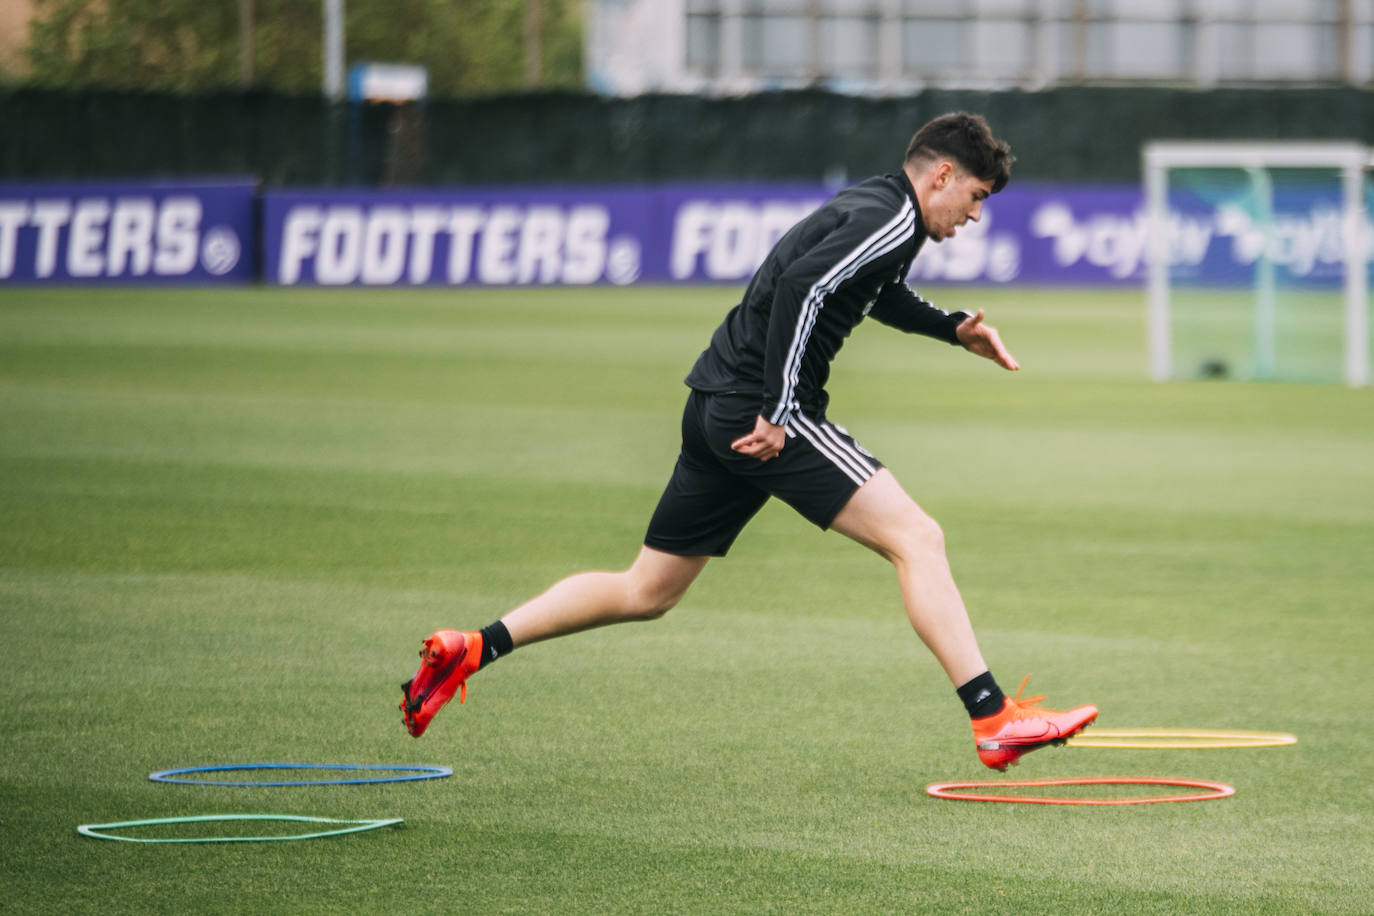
(647, 590)
(883, 517)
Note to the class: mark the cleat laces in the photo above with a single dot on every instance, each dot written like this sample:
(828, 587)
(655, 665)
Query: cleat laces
(1023, 706)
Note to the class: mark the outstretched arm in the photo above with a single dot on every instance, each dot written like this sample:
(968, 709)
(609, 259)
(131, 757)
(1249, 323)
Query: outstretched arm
(984, 340)
(900, 307)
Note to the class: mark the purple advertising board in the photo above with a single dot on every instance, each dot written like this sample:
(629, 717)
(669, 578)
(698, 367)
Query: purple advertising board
(616, 235)
(1029, 234)
(495, 238)
(174, 232)
(208, 232)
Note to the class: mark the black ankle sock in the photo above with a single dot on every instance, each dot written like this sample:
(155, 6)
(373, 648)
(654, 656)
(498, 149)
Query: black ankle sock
(496, 642)
(982, 697)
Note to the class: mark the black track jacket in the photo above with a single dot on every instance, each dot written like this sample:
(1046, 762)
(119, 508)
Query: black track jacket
(846, 260)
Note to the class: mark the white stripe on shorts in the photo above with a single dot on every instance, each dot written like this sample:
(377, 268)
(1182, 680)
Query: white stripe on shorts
(848, 456)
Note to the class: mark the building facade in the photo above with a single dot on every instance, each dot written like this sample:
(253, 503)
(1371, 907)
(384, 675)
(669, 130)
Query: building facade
(901, 46)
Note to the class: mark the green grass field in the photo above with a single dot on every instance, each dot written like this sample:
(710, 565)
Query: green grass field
(228, 518)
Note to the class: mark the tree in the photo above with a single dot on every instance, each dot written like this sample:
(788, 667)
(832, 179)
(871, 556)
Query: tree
(469, 46)
(129, 43)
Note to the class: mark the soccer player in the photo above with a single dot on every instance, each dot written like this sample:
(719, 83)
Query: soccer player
(755, 426)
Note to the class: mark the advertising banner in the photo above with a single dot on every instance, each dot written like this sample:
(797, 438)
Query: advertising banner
(1029, 234)
(1048, 235)
(494, 238)
(189, 233)
(527, 237)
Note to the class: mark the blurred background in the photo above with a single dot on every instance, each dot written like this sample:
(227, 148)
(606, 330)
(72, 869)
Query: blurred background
(648, 90)
(573, 142)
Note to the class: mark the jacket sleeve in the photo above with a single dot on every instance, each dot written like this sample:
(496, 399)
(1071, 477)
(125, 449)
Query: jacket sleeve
(865, 241)
(899, 306)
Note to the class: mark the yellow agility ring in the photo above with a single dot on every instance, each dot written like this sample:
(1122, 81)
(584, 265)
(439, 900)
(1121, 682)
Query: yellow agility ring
(1179, 738)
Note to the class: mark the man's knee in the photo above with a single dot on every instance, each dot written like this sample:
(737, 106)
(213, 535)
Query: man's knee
(655, 584)
(927, 532)
(919, 534)
(913, 535)
(651, 600)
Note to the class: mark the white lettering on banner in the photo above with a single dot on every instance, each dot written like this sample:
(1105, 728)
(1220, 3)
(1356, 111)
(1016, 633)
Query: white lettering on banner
(131, 237)
(588, 227)
(540, 240)
(504, 244)
(178, 237)
(734, 244)
(463, 225)
(691, 236)
(299, 240)
(975, 253)
(1103, 239)
(1189, 239)
(113, 237)
(384, 246)
(12, 216)
(49, 216)
(1301, 242)
(87, 238)
(425, 223)
(733, 237)
(1117, 242)
(1297, 241)
(497, 245)
(341, 246)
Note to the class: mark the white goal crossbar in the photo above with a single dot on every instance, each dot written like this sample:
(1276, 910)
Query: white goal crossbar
(1352, 159)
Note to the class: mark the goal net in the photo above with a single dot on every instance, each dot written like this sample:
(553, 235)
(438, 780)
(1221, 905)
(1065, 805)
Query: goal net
(1259, 261)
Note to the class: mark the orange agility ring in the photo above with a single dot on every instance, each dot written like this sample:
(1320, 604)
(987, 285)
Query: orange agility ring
(1180, 738)
(1213, 790)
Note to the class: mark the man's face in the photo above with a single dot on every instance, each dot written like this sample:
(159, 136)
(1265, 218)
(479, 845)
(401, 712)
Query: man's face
(956, 197)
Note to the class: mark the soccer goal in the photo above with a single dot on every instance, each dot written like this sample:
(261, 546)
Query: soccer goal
(1258, 260)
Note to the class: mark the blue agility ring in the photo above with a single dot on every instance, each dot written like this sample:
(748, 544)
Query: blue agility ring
(358, 826)
(416, 772)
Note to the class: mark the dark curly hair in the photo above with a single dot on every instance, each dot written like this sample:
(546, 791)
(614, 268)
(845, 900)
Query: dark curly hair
(967, 139)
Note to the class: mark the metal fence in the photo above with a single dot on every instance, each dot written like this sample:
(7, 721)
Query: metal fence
(1080, 134)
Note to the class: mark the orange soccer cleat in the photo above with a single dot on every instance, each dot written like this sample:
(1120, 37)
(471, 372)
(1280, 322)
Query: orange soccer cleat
(1022, 726)
(448, 658)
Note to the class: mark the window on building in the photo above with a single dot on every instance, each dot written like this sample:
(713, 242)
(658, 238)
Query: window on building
(848, 47)
(703, 43)
(933, 46)
(1003, 49)
(776, 47)
(1135, 49)
(1029, 42)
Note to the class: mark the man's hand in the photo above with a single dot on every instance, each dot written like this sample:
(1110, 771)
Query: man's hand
(763, 443)
(983, 340)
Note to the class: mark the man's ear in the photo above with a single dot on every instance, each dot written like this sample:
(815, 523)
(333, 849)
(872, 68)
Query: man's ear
(944, 173)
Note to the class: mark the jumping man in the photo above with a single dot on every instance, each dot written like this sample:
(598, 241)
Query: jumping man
(755, 426)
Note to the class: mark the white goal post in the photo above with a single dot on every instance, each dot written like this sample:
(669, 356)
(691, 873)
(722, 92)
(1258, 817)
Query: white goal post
(1351, 159)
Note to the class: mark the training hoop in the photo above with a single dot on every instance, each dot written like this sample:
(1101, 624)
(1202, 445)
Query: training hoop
(1179, 738)
(417, 772)
(1214, 790)
(94, 830)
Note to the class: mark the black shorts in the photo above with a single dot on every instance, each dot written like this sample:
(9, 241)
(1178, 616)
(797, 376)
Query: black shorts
(714, 490)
